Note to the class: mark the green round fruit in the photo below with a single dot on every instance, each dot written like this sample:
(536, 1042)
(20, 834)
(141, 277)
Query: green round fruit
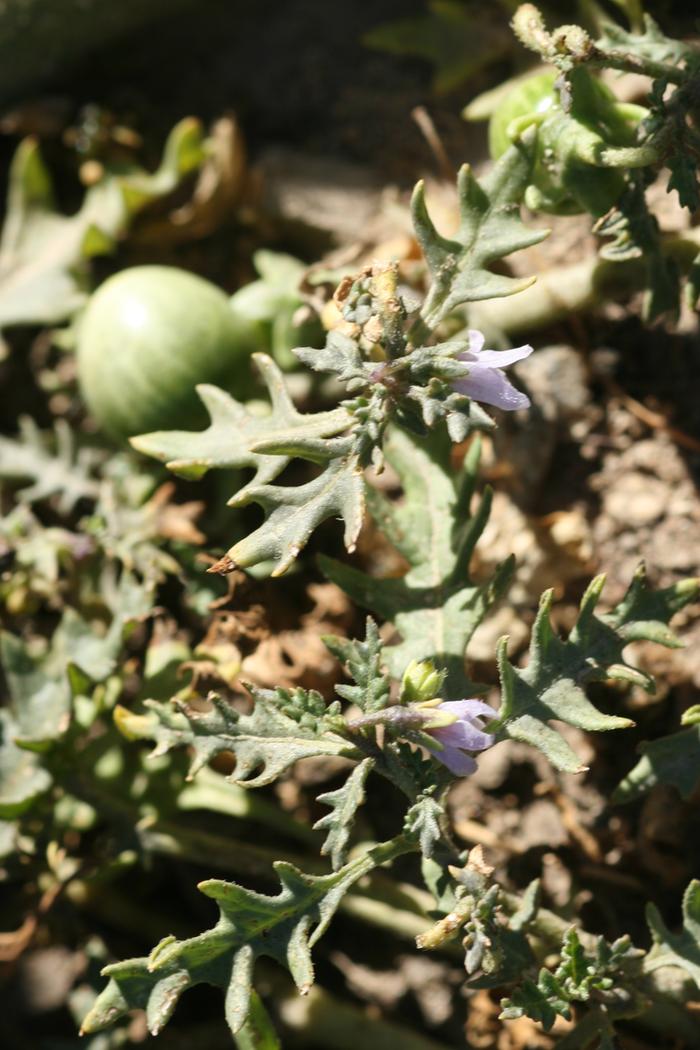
(147, 337)
(534, 94)
(567, 176)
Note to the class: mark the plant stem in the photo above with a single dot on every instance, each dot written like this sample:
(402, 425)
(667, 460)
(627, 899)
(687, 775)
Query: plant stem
(420, 333)
(627, 63)
(571, 44)
(322, 1020)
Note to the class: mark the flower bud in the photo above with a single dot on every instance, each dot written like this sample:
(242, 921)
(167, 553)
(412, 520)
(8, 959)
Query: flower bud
(420, 683)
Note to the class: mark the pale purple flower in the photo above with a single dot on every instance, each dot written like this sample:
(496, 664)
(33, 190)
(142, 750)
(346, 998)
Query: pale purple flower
(464, 735)
(486, 380)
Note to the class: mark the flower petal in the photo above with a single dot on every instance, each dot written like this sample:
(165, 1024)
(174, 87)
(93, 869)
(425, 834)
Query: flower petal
(466, 732)
(463, 734)
(476, 341)
(503, 358)
(491, 386)
(467, 708)
(458, 762)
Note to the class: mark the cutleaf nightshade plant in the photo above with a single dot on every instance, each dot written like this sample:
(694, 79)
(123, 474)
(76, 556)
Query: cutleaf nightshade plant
(594, 153)
(411, 715)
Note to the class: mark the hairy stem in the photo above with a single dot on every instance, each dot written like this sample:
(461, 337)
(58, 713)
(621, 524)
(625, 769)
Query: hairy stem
(627, 63)
(572, 44)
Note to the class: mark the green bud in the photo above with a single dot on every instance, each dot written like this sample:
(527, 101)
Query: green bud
(421, 682)
(691, 716)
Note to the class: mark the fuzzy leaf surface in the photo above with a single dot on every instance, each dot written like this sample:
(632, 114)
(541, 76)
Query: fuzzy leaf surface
(283, 727)
(363, 661)
(238, 438)
(435, 607)
(552, 686)
(580, 976)
(423, 822)
(652, 43)
(344, 803)
(293, 513)
(235, 432)
(251, 925)
(490, 229)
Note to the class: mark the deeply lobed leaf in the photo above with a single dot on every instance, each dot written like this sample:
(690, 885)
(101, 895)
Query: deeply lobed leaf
(54, 469)
(552, 686)
(344, 803)
(239, 438)
(490, 229)
(268, 740)
(251, 925)
(363, 661)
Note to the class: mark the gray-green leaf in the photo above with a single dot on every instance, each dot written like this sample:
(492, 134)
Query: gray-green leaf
(490, 229)
(673, 759)
(552, 686)
(268, 740)
(284, 928)
(240, 438)
(344, 803)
